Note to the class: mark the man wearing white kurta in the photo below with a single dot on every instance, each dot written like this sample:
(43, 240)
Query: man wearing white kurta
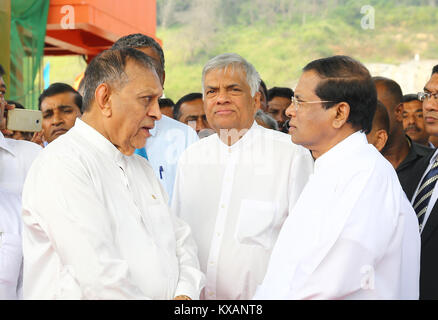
(235, 187)
(352, 234)
(106, 231)
(16, 157)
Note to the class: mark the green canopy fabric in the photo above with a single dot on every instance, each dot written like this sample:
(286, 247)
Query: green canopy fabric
(28, 31)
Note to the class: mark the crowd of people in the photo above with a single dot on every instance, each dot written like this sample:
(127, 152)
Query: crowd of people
(236, 192)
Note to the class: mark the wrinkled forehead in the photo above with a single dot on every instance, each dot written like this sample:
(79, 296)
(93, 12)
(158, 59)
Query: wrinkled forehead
(59, 99)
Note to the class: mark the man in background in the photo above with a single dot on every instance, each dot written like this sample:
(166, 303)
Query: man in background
(413, 122)
(399, 150)
(166, 107)
(279, 99)
(190, 110)
(60, 105)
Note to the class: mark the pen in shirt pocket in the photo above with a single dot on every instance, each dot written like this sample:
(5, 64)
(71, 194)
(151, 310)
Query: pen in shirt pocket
(161, 172)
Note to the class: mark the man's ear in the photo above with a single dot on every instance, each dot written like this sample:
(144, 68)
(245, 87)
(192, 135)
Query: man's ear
(102, 96)
(257, 104)
(381, 138)
(398, 111)
(342, 112)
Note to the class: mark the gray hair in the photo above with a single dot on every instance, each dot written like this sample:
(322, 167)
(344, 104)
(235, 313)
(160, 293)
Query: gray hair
(267, 119)
(225, 60)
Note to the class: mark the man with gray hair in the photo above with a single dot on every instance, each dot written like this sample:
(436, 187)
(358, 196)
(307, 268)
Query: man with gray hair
(108, 232)
(235, 187)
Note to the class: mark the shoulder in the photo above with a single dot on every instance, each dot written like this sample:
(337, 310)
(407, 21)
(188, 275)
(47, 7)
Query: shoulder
(165, 124)
(422, 150)
(24, 148)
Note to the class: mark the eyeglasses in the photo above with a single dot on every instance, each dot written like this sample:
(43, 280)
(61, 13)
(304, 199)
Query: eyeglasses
(297, 104)
(422, 96)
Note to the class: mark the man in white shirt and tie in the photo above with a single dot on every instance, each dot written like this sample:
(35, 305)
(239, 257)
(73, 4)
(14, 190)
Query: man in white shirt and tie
(352, 233)
(423, 192)
(235, 187)
(16, 157)
(107, 232)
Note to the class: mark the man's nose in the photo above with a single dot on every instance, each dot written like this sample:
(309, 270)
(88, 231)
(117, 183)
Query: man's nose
(222, 96)
(57, 118)
(154, 111)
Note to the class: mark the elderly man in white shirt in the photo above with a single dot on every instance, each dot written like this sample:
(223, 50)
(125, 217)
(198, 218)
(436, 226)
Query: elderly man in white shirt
(353, 234)
(16, 156)
(107, 232)
(235, 187)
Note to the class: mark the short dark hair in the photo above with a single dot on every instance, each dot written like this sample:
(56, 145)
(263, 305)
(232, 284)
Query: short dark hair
(2, 71)
(435, 69)
(344, 79)
(381, 117)
(280, 92)
(393, 89)
(188, 97)
(57, 88)
(410, 97)
(264, 88)
(165, 102)
(137, 41)
(109, 66)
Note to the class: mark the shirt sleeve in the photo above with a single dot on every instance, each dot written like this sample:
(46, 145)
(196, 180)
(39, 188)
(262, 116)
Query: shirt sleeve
(191, 280)
(78, 228)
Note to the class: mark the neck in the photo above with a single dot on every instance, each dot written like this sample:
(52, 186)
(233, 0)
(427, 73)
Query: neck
(95, 122)
(396, 149)
(318, 151)
(231, 136)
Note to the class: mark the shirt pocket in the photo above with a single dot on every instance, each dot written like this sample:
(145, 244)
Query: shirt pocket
(161, 225)
(255, 223)
(11, 257)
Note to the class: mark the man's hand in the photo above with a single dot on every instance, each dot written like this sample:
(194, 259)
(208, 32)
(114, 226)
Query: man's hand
(182, 297)
(38, 138)
(3, 128)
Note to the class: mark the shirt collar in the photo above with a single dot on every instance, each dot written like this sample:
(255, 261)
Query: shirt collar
(100, 142)
(246, 138)
(5, 145)
(338, 151)
(434, 157)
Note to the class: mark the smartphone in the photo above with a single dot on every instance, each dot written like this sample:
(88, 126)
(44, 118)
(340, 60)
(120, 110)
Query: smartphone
(24, 120)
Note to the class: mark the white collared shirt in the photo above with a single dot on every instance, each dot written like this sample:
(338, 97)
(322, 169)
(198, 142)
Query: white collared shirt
(351, 235)
(169, 138)
(15, 159)
(235, 199)
(433, 197)
(97, 226)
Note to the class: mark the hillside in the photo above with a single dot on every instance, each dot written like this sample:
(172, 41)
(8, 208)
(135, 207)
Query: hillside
(281, 42)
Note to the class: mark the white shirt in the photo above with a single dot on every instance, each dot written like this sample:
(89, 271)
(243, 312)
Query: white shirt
(352, 234)
(15, 159)
(169, 138)
(97, 226)
(434, 195)
(235, 199)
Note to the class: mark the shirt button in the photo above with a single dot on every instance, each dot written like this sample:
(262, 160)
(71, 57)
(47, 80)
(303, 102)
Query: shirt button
(222, 206)
(211, 262)
(218, 234)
